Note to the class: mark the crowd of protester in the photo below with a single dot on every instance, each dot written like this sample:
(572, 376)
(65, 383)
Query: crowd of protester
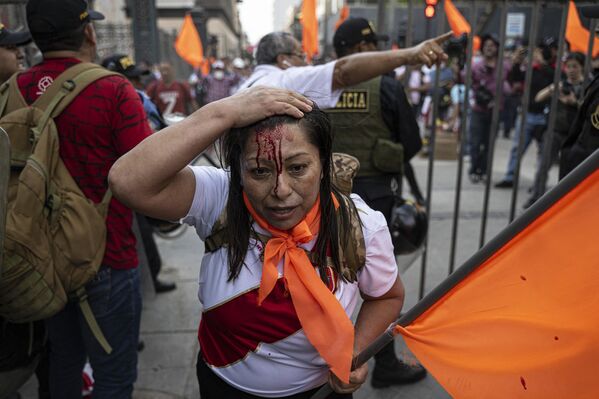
(149, 98)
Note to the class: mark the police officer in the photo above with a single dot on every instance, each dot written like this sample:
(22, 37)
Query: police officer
(373, 121)
(583, 137)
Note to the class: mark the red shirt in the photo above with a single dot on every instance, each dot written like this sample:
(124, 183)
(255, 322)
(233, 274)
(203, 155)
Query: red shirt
(105, 121)
(170, 99)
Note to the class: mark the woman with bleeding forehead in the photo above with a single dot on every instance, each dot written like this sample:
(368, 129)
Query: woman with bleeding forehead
(277, 302)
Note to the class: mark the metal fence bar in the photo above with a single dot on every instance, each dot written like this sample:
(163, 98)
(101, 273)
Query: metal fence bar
(4, 176)
(545, 162)
(587, 61)
(431, 158)
(494, 120)
(408, 43)
(463, 139)
(532, 37)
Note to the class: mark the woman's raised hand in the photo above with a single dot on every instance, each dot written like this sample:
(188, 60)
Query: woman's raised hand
(259, 102)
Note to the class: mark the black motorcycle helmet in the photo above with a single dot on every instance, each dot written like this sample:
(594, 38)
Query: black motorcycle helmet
(408, 227)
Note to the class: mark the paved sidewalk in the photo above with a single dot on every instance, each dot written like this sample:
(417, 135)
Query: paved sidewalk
(170, 320)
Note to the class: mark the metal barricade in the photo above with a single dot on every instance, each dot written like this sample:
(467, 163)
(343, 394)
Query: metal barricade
(495, 17)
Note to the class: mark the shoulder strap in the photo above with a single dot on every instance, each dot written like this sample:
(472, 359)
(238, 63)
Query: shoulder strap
(64, 90)
(72, 81)
(68, 74)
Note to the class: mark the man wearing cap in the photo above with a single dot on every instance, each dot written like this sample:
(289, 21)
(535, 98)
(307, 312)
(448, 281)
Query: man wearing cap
(11, 57)
(102, 123)
(282, 63)
(124, 65)
(535, 120)
(484, 83)
(170, 95)
(583, 137)
(218, 83)
(374, 122)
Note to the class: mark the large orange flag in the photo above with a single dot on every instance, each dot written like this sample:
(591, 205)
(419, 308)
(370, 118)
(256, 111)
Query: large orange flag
(519, 319)
(578, 35)
(343, 15)
(458, 23)
(189, 45)
(309, 29)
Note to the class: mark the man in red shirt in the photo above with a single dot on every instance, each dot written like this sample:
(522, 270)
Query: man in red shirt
(105, 121)
(170, 95)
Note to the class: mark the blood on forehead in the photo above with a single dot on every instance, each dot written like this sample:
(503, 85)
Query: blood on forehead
(268, 141)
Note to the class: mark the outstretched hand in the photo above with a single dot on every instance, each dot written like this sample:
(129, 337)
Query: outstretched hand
(259, 102)
(429, 51)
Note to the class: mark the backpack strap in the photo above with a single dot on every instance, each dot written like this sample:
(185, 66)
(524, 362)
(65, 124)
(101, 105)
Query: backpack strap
(86, 310)
(65, 89)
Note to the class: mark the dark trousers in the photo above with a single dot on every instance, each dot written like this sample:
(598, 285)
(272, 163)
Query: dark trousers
(147, 236)
(213, 387)
(480, 128)
(115, 299)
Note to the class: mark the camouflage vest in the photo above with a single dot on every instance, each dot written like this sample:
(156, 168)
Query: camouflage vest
(352, 249)
(359, 130)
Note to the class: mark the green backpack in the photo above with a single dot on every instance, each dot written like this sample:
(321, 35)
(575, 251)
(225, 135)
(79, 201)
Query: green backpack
(352, 249)
(55, 236)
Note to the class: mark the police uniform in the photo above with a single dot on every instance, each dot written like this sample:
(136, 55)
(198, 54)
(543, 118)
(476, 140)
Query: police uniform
(583, 137)
(373, 122)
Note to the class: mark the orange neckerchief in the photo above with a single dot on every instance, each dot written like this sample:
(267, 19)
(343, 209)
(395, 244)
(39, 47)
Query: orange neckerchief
(322, 317)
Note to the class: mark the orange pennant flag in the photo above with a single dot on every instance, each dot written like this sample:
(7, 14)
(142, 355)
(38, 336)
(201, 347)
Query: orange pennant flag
(458, 23)
(189, 45)
(577, 35)
(523, 323)
(309, 29)
(343, 15)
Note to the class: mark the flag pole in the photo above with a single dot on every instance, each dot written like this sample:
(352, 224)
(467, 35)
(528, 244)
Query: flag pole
(4, 176)
(573, 179)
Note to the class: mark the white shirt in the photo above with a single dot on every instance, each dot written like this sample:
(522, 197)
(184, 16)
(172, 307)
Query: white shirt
(314, 82)
(262, 350)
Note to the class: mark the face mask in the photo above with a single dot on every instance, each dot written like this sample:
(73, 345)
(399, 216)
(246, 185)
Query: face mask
(219, 75)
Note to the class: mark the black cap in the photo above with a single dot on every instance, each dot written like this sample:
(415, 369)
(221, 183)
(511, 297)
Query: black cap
(11, 38)
(123, 64)
(355, 30)
(58, 16)
(590, 11)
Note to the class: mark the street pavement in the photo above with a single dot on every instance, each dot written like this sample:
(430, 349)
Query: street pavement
(170, 320)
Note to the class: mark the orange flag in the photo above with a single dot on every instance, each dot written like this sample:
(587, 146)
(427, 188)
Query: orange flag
(523, 322)
(309, 29)
(343, 15)
(189, 45)
(578, 35)
(458, 23)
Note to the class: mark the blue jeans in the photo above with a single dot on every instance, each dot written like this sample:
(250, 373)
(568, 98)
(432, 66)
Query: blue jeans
(532, 123)
(115, 299)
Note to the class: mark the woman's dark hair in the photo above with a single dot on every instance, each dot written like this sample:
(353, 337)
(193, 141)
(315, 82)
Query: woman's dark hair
(317, 126)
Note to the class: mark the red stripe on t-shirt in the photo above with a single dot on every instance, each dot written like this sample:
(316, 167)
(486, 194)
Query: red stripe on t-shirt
(228, 332)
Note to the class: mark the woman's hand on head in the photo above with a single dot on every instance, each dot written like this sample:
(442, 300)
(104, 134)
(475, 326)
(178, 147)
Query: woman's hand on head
(259, 102)
(356, 379)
